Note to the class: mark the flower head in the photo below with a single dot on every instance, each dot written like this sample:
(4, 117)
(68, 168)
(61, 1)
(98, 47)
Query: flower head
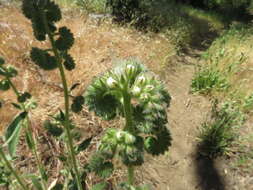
(141, 79)
(136, 90)
(111, 82)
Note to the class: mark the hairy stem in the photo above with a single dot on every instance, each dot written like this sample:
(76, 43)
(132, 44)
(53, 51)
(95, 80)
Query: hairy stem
(29, 130)
(129, 128)
(130, 175)
(128, 113)
(66, 123)
(16, 175)
(35, 152)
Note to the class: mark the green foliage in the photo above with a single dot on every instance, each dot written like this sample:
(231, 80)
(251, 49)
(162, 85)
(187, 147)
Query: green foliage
(208, 79)
(24, 97)
(44, 14)
(238, 7)
(77, 104)
(217, 135)
(100, 165)
(69, 62)
(140, 98)
(97, 6)
(83, 145)
(2, 61)
(5, 175)
(4, 85)
(13, 133)
(66, 39)
(100, 186)
(53, 128)
(248, 103)
(43, 59)
(124, 10)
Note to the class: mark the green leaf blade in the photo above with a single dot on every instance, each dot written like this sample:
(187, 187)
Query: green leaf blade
(13, 132)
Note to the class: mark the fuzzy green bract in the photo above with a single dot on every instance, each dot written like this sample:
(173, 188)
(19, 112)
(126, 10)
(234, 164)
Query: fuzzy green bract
(131, 91)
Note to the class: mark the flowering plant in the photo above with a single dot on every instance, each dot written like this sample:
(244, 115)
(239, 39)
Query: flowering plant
(129, 91)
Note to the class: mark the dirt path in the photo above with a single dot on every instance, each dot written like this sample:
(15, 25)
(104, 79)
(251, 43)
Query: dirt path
(177, 169)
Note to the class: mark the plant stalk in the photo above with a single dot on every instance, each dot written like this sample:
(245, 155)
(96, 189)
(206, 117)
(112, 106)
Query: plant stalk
(128, 113)
(16, 175)
(34, 148)
(130, 175)
(37, 158)
(29, 129)
(66, 123)
(129, 128)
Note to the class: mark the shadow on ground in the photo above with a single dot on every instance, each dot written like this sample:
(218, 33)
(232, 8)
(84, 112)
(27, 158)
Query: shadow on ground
(208, 176)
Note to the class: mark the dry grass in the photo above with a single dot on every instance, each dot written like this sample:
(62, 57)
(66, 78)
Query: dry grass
(234, 56)
(98, 45)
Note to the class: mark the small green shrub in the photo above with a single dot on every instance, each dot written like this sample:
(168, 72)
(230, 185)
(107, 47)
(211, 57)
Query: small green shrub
(208, 79)
(218, 134)
(125, 10)
(98, 6)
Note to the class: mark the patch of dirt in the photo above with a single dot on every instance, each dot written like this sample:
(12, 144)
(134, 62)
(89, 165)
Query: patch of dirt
(176, 169)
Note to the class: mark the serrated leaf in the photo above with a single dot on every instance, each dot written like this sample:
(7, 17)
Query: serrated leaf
(100, 186)
(77, 104)
(53, 129)
(13, 132)
(43, 59)
(83, 145)
(65, 40)
(105, 170)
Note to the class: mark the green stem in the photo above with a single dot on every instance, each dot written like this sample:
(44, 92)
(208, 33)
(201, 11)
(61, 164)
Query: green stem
(129, 128)
(37, 158)
(16, 175)
(34, 148)
(130, 172)
(128, 113)
(66, 98)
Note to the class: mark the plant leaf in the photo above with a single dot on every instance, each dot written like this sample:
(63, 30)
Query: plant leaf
(106, 170)
(29, 141)
(17, 106)
(13, 132)
(83, 145)
(53, 129)
(36, 182)
(100, 186)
